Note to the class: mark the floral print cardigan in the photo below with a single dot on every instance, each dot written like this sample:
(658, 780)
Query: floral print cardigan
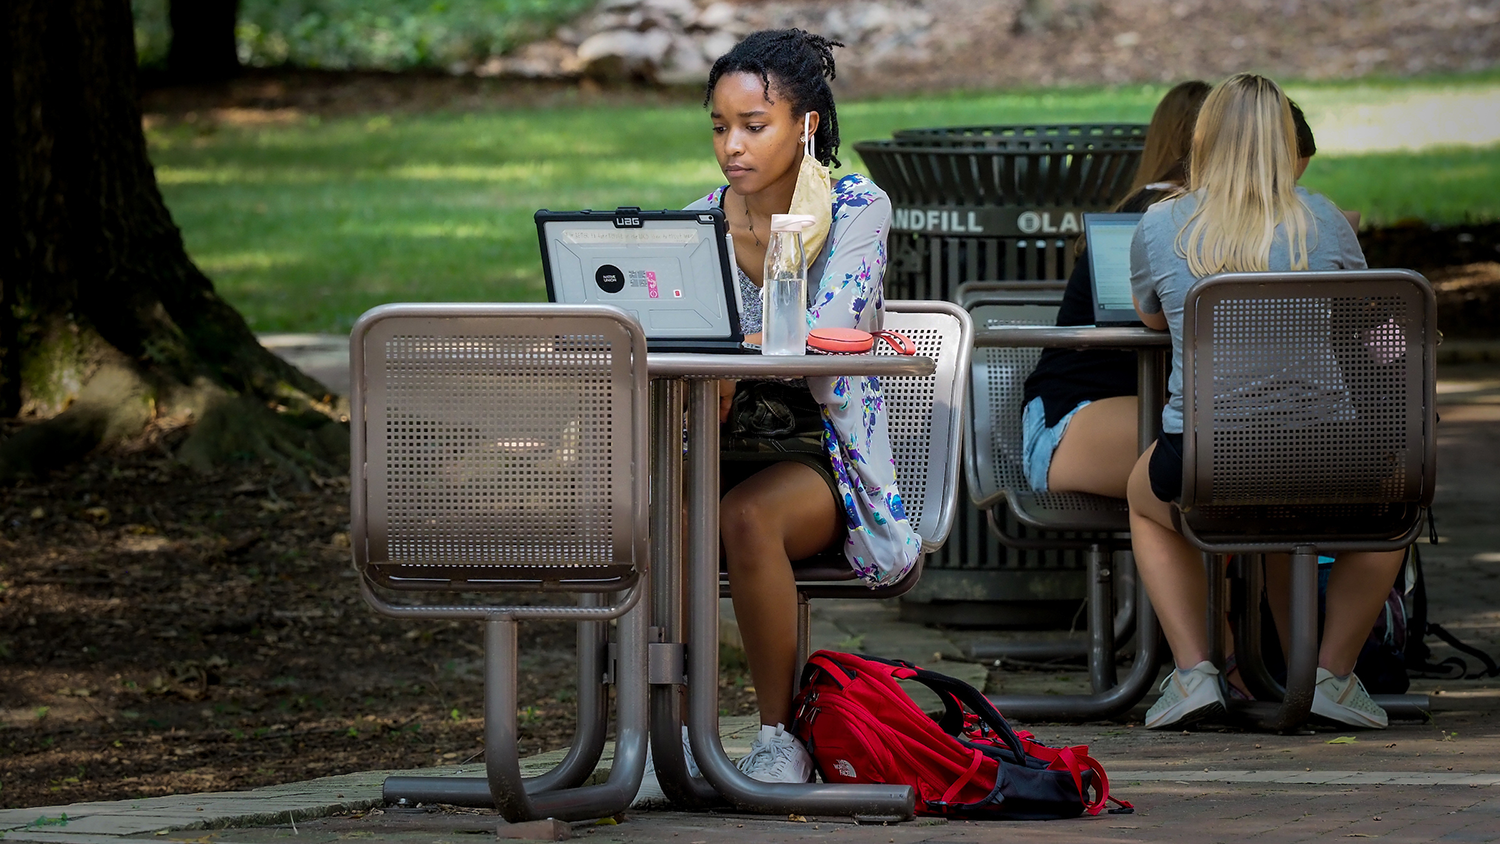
(881, 545)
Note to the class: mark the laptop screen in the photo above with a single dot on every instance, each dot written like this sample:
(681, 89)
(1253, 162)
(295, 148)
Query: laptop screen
(1108, 237)
(668, 269)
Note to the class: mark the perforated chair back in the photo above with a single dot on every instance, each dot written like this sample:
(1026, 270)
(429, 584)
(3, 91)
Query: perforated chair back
(1308, 404)
(499, 448)
(993, 460)
(926, 414)
(994, 452)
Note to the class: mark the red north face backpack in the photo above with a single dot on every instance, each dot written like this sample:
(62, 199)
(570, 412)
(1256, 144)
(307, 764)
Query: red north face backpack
(862, 727)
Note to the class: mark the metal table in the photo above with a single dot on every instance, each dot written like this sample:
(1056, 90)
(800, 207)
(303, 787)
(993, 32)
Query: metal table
(685, 598)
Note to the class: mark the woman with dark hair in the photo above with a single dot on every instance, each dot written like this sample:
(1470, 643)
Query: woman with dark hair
(1079, 417)
(806, 467)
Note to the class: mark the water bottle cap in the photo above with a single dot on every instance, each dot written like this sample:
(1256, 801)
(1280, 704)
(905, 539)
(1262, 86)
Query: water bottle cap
(792, 222)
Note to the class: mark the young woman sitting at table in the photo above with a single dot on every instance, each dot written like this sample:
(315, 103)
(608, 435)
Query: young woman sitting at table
(1078, 426)
(806, 467)
(1242, 212)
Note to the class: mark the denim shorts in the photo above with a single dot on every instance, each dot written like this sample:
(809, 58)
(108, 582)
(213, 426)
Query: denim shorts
(1038, 442)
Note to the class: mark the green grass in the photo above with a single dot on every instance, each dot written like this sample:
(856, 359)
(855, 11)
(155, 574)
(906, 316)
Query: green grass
(305, 226)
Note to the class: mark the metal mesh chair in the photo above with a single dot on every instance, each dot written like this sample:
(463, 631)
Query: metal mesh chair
(1308, 415)
(924, 415)
(1056, 520)
(925, 419)
(503, 449)
(994, 464)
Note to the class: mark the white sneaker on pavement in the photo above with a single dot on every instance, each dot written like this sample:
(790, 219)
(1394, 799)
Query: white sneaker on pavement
(777, 756)
(1187, 696)
(650, 795)
(1344, 699)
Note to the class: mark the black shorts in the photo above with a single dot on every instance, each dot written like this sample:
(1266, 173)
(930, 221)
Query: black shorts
(1165, 468)
(773, 422)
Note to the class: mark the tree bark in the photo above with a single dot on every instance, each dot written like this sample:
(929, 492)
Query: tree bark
(203, 47)
(109, 327)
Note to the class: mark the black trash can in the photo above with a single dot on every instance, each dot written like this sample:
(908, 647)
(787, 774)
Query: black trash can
(995, 203)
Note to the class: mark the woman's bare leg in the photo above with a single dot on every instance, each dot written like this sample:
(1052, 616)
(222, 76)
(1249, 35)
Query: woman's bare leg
(1357, 587)
(1171, 568)
(1279, 597)
(1098, 450)
(782, 513)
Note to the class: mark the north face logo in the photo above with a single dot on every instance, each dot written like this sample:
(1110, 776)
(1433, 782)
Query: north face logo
(844, 768)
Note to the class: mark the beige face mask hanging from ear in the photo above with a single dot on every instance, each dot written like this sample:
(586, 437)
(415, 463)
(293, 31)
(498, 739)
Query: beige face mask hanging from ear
(813, 196)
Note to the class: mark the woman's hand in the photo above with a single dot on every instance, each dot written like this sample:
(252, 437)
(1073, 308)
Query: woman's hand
(726, 398)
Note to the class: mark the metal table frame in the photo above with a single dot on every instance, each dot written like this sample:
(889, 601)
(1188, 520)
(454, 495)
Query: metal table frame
(1151, 348)
(1110, 698)
(685, 597)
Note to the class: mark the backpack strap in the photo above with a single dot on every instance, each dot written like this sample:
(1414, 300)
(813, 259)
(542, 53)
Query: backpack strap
(822, 660)
(962, 781)
(956, 694)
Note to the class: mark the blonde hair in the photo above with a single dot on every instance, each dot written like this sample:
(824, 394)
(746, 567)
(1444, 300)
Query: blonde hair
(1170, 135)
(1243, 170)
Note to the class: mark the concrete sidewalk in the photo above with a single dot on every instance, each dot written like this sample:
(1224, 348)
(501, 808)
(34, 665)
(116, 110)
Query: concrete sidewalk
(1413, 782)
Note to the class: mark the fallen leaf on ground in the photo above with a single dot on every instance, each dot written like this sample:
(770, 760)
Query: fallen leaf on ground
(1343, 740)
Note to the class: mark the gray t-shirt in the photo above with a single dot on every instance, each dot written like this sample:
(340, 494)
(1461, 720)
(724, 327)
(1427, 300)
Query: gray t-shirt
(1159, 276)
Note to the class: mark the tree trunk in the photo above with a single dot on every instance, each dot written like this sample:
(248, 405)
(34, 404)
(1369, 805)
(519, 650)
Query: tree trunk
(109, 329)
(203, 47)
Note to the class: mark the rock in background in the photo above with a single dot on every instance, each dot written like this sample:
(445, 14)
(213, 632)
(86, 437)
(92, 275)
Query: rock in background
(906, 46)
(675, 42)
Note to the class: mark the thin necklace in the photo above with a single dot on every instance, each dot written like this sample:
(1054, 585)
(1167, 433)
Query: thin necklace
(751, 219)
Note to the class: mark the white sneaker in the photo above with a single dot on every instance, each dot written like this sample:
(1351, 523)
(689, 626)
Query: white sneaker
(1187, 696)
(650, 795)
(1344, 699)
(777, 756)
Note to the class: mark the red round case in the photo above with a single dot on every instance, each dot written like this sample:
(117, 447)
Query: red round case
(840, 340)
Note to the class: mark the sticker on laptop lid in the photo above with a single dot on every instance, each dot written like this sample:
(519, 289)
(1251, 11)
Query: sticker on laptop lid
(646, 279)
(589, 237)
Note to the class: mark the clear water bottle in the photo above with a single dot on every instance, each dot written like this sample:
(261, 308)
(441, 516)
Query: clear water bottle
(784, 288)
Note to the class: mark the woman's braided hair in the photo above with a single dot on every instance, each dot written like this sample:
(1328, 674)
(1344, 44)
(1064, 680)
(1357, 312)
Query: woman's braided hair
(801, 64)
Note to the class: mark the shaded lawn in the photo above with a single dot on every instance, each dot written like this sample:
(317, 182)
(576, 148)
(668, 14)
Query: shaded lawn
(305, 226)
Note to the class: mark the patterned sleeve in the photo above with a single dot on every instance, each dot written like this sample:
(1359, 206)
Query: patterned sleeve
(880, 544)
(849, 286)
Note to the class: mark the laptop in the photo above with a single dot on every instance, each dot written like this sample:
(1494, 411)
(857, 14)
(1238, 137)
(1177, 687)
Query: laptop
(671, 270)
(1108, 238)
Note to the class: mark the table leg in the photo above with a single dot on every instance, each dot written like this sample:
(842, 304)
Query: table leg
(703, 651)
(1151, 387)
(667, 627)
(583, 754)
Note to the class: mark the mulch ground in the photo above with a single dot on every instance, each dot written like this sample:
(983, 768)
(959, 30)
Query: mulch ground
(163, 631)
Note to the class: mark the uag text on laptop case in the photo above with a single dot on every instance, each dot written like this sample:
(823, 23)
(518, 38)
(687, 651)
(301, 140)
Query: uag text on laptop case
(671, 270)
(1108, 237)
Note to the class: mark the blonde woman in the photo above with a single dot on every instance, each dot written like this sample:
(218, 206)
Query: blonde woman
(1242, 212)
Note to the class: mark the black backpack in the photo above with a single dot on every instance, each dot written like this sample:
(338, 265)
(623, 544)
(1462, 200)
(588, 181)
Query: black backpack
(1417, 657)
(1395, 650)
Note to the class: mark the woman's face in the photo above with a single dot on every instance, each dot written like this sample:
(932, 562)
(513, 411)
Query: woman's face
(758, 142)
